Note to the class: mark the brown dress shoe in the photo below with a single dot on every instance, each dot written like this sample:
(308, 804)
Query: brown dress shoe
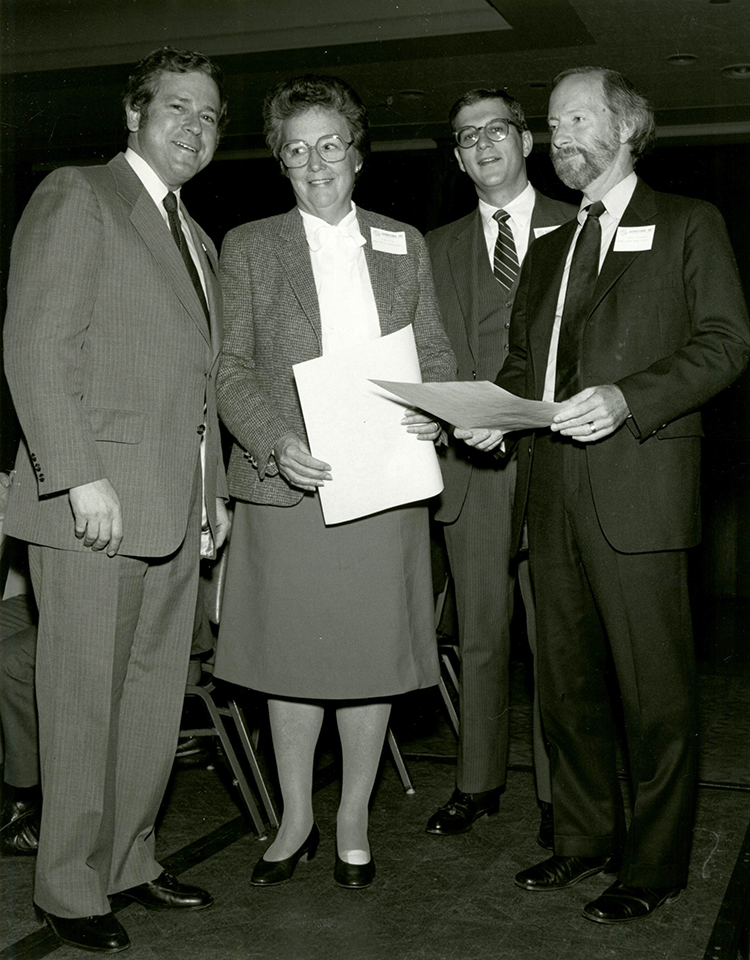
(621, 903)
(463, 809)
(556, 873)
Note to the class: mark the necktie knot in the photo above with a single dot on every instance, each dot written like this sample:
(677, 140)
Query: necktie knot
(595, 209)
(170, 203)
(502, 216)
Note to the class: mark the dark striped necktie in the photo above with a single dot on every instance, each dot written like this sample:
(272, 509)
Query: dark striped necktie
(170, 205)
(505, 260)
(584, 272)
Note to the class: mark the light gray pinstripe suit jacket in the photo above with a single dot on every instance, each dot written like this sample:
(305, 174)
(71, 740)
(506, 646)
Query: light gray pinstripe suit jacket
(109, 360)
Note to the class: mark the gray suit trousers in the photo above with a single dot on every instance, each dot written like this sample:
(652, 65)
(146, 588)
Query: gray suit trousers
(112, 656)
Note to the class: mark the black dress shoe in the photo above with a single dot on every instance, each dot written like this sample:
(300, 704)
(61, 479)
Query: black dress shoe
(269, 873)
(193, 751)
(556, 873)
(103, 934)
(19, 833)
(621, 903)
(463, 809)
(546, 836)
(354, 876)
(167, 893)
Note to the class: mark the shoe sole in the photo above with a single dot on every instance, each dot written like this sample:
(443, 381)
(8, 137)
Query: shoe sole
(166, 906)
(561, 886)
(642, 916)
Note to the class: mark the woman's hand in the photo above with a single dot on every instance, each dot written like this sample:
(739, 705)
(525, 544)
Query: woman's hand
(417, 422)
(297, 465)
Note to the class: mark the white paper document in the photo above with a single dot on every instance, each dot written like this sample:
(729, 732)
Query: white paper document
(355, 426)
(474, 403)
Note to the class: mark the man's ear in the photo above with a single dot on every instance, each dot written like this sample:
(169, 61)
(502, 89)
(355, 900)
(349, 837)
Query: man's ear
(528, 142)
(457, 153)
(133, 118)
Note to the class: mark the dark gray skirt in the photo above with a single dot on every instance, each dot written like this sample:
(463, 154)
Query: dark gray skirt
(316, 612)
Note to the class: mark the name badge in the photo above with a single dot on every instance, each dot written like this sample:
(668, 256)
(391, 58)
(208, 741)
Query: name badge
(540, 231)
(388, 241)
(634, 238)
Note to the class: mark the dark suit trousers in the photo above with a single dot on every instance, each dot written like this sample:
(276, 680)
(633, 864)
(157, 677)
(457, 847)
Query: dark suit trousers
(18, 707)
(112, 657)
(478, 544)
(590, 597)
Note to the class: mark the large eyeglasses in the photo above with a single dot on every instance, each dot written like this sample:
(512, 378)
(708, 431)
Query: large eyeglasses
(497, 130)
(330, 148)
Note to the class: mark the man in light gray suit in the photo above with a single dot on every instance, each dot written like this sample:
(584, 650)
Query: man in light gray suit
(111, 341)
(476, 262)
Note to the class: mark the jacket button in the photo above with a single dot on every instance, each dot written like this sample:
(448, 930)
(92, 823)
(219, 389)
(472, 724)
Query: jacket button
(507, 326)
(201, 429)
(508, 304)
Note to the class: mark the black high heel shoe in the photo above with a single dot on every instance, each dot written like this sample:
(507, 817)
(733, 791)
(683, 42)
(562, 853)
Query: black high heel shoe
(268, 873)
(353, 876)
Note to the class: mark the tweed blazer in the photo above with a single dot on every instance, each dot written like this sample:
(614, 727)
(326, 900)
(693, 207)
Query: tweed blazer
(272, 321)
(468, 294)
(110, 361)
(669, 326)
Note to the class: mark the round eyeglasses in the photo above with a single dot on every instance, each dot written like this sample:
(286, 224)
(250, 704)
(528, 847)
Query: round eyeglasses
(330, 148)
(496, 130)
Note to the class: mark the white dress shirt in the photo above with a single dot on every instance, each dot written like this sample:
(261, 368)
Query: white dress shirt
(519, 210)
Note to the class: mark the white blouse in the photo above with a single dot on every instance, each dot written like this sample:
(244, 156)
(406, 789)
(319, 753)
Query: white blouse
(348, 313)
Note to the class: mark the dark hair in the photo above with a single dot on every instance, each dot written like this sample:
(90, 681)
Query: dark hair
(299, 94)
(625, 103)
(479, 94)
(143, 81)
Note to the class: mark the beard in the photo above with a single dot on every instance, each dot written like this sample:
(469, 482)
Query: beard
(577, 167)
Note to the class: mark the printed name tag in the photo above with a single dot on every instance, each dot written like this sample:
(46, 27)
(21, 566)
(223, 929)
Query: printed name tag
(634, 238)
(540, 231)
(388, 241)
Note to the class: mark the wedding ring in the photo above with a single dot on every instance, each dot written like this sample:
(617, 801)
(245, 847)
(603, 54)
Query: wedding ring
(592, 428)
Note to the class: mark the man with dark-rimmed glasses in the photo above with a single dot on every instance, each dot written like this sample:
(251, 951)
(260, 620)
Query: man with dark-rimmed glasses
(476, 262)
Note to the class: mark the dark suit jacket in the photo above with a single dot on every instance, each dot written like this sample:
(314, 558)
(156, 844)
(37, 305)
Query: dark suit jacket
(670, 327)
(467, 293)
(272, 321)
(110, 361)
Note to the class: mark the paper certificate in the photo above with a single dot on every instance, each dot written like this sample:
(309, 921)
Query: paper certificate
(356, 427)
(474, 403)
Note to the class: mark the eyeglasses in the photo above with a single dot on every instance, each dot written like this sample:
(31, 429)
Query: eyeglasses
(496, 130)
(330, 148)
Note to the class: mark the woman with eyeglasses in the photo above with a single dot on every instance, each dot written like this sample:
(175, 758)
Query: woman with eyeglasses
(315, 615)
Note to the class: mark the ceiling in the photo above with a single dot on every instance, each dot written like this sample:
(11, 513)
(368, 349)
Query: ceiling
(64, 62)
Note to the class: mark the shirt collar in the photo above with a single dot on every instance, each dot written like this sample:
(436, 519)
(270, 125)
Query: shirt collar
(317, 229)
(154, 185)
(520, 208)
(616, 200)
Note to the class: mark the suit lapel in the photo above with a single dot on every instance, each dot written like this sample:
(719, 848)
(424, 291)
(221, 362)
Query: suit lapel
(540, 310)
(154, 232)
(381, 267)
(467, 257)
(641, 210)
(294, 256)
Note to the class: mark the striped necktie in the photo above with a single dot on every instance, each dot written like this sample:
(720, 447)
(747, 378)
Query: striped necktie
(505, 260)
(584, 272)
(170, 205)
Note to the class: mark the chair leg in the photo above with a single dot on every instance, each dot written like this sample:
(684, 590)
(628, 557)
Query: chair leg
(452, 715)
(236, 713)
(399, 761)
(240, 780)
